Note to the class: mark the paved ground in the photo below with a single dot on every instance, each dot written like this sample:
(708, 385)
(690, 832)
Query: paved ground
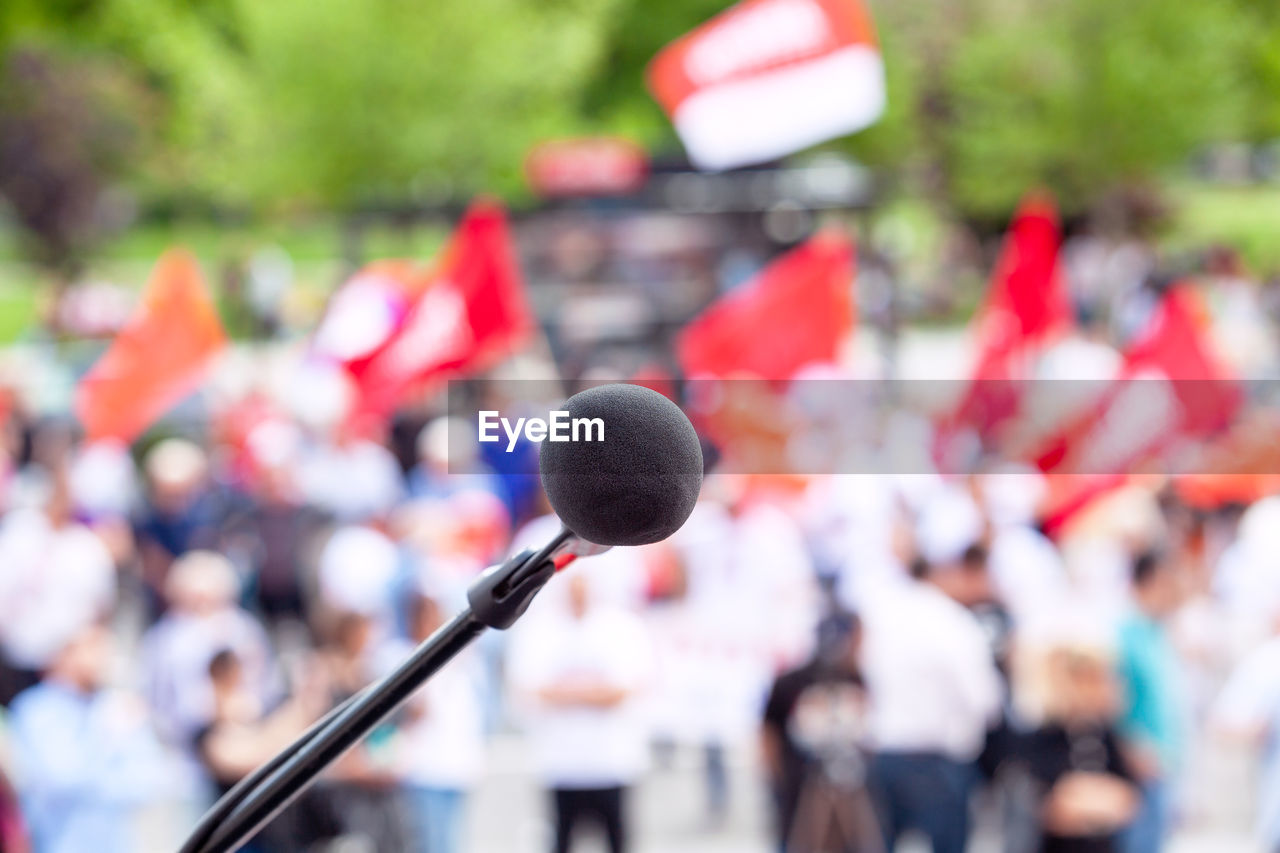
(508, 813)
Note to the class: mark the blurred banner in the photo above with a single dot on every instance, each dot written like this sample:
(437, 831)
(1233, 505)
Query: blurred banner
(158, 358)
(767, 78)
(794, 313)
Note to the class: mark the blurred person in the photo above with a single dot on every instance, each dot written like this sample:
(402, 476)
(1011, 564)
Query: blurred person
(202, 619)
(581, 668)
(1026, 568)
(103, 481)
(440, 742)
(180, 514)
(1241, 333)
(13, 832)
(358, 571)
(271, 534)
(85, 758)
(362, 790)
(853, 524)
(243, 734)
(449, 461)
(934, 692)
(350, 476)
(1247, 710)
(749, 603)
(1098, 548)
(1087, 794)
(448, 542)
(813, 739)
(969, 584)
(1154, 707)
(56, 577)
(1246, 576)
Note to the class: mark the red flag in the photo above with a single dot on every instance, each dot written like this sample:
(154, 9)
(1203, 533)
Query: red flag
(1175, 345)
(766, 78)
(795, 312)
(159, 357)
(471, 313)
(1026, 305)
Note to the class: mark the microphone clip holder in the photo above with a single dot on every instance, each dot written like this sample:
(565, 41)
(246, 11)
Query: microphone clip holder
(503, 592)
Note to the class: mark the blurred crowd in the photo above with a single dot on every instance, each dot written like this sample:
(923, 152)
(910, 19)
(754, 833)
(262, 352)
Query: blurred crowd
(901, 654)
(895, 649)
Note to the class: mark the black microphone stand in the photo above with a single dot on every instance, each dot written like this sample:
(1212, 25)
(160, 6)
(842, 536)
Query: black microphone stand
(496, 600)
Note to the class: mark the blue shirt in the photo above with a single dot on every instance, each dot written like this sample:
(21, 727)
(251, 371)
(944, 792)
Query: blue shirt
(1150, 675)
(82, 768)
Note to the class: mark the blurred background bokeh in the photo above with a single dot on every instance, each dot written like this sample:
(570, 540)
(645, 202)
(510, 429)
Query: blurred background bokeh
(262, 262)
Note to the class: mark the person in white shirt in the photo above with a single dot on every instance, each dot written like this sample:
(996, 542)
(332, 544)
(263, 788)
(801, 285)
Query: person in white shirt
(57, 577)
(351, 477)
(84, 756)
(203, 619)
(441, 743)
(1248, 710)
(357, 572)
(934, 690)
(747, 604)
(582, 671)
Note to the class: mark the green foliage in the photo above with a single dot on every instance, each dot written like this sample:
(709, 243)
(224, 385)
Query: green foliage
(357, 102)
(346, 104)
(1245, 218)
(1260, 56)
(1083, 95)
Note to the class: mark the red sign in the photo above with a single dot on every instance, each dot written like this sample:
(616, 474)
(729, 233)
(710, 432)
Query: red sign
(592, 166)
(770, 77)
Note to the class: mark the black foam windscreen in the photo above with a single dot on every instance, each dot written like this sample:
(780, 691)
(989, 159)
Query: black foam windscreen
(637, 485)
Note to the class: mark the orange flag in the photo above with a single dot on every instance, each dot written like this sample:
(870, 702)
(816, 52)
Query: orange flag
(158, 358)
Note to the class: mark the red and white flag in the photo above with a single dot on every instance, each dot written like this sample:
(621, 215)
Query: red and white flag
(1171, 387)
(1171, 390)
(367, 311)
(767, 78)
(159, 357)
(470, 312)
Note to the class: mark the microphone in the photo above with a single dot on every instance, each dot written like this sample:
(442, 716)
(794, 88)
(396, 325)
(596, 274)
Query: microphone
(636, 485)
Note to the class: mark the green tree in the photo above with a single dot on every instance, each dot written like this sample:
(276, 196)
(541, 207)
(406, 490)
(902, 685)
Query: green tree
(1082, 96)
(352, 102)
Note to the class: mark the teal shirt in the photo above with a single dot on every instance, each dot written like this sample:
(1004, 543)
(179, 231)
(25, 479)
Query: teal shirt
(1150, 678)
